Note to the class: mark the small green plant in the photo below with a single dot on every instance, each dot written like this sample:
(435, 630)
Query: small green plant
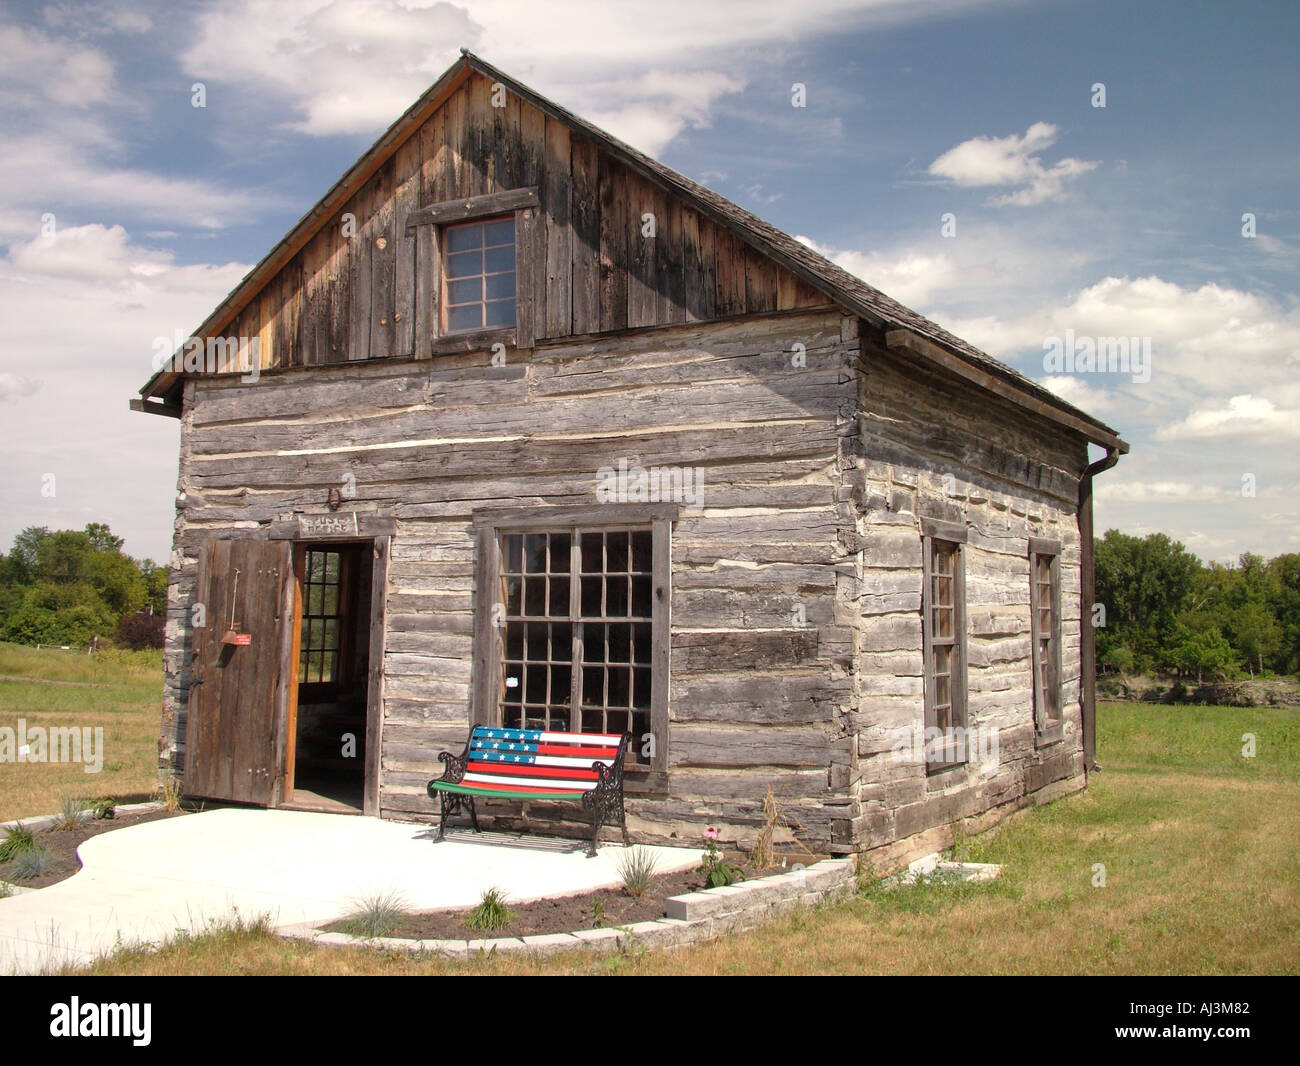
(16, 841)
(637, 867)
(31, 864)
(72, 811)
(375, 916)
(491, 913)
(103, 808)
(598, 914)
(5, 890)
(717, 871)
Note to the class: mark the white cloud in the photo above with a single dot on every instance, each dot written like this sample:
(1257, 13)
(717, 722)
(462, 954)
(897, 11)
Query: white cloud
(353, 66)
(1208, 337)
(911, 278)
(1245, 415)
(13, 387)
(1163, 491)
(62, 71)
(1011, 161)
(81, 311)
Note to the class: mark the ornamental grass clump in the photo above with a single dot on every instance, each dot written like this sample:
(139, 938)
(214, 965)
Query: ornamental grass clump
(375, 916)
(17, 840)
(491, 913)
(637, 867)
(32, 864)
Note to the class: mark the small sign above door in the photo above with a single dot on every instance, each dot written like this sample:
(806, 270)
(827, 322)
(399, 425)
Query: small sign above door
(329, 525)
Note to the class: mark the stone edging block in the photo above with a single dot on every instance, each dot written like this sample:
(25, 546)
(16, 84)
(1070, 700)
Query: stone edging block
(692, 918)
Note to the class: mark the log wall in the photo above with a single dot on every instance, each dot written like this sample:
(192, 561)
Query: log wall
(763, 636)
(931, 449)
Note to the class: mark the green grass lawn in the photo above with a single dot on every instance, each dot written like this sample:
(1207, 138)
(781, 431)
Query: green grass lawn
(120, 694)
(1199, 847)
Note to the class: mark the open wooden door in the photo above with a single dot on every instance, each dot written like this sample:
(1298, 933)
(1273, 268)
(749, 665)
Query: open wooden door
(243, 671)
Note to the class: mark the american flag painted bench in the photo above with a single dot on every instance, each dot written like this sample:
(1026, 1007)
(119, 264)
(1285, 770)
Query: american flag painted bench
(535, 764)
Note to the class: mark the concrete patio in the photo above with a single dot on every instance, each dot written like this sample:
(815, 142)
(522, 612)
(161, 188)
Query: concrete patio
(147, 882)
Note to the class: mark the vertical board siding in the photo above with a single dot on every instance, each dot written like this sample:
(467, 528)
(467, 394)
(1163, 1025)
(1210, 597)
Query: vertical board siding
(587, 269)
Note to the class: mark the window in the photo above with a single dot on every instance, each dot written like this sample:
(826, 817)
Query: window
(1045, 622)
(577, 637)
(943, 611)
(322, 615)
(474, 274)
(479, 275)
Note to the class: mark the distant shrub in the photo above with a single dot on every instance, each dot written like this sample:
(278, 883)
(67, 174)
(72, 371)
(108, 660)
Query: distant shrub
(140, 631)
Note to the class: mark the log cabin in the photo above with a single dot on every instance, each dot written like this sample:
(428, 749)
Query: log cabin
(529, 429)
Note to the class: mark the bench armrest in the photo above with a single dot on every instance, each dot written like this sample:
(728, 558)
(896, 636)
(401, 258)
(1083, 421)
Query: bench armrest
(454, 765)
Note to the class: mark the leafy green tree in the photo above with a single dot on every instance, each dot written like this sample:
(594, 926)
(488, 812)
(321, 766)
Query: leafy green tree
(156, 579)
(1202, 652)
(101, 538)
(61, 557)
(22, 556)
(1255, 635)
(59, 614)
(1145, 584)
(117, 580)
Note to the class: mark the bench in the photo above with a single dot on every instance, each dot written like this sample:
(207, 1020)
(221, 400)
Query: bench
(535, 764)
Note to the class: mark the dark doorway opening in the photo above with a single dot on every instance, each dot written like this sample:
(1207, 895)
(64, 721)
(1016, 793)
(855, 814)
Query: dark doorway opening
(327, 741)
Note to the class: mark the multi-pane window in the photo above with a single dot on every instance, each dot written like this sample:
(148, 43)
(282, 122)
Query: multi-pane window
(322, 611)
(943, 631)
(479, 275)
(1045, 607)
(578, 630)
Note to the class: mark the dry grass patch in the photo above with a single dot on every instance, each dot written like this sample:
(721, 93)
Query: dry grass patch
(122, 696)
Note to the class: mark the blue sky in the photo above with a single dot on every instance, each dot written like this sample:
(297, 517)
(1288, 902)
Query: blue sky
(1117, 221)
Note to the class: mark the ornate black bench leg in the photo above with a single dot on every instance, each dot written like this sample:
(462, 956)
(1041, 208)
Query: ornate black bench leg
(445, 805)
(452, 803)
(597, 820)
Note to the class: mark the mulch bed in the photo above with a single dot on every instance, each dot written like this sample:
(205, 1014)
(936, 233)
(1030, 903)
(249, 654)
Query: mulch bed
(606, 908)
(62, 845)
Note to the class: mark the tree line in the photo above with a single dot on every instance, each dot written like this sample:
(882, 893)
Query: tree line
(1162, 610)
(75, 586)
(1165, 611)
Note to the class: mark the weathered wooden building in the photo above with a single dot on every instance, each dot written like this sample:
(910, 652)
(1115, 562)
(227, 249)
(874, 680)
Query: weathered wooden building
(538, 431)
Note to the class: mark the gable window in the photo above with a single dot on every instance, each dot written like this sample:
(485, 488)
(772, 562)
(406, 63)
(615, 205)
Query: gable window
(577, 625)
(479, 278)
(943, 612)
(1045, 610)
(474, 273)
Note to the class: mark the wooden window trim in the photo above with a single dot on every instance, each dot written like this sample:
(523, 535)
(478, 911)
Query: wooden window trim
(1048, 705)
(344, 619)
(425, 226)
(954, 535)
(488, 646)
